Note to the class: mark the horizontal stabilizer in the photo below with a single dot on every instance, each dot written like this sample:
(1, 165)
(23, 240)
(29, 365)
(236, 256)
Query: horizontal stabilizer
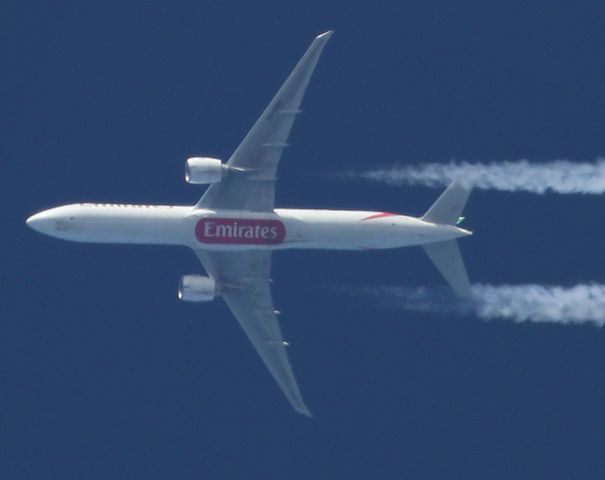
(448, 207)
(446, 257)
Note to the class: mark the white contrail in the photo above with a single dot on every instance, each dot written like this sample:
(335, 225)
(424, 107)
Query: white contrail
(559, 176)
(583, 303)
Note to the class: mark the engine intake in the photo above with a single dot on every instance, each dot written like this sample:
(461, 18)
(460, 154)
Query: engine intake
(197, 288)
(203, 170)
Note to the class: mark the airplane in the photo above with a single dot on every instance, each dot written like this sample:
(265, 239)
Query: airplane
(235, 226)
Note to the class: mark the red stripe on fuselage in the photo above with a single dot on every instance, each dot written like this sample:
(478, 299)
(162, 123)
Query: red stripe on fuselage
(379, 215)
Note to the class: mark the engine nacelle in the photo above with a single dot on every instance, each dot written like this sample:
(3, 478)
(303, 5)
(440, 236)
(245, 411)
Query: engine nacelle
(203, 170)
(197, 288)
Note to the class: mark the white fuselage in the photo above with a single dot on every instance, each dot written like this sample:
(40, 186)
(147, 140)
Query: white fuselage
(238, 230)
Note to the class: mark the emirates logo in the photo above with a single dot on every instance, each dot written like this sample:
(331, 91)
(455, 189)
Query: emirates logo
(240, 231)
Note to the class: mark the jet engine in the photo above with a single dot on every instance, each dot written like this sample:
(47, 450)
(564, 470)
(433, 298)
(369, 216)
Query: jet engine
(197, 288)
(203, 170)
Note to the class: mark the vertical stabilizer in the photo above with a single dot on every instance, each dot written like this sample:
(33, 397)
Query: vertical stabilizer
(448, 207)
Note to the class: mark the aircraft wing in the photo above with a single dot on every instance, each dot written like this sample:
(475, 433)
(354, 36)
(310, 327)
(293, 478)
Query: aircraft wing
(245, 279)
(251, 182)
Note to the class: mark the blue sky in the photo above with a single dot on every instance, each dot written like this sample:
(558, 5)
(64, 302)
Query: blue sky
(105, 374)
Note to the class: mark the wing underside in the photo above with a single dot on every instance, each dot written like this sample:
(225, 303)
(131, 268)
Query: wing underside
(250, 185)
(244, 277)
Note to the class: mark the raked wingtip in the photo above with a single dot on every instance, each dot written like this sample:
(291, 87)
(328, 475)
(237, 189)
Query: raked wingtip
(325, 35)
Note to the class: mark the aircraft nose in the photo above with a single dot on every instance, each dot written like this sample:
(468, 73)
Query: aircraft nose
(40, 222)
(50, 222)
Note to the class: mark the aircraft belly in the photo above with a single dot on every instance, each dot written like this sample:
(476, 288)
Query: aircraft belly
(237, 230)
